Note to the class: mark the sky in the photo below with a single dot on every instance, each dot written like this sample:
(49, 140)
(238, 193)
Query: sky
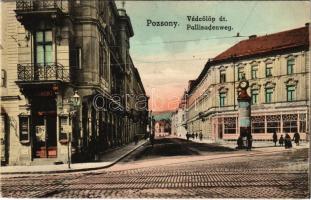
(167, 57)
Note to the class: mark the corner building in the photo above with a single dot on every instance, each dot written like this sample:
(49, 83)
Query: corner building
(50, 49)
(277, 67)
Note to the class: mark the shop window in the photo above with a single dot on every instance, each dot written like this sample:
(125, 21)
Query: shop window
(258, 124)
(290, 66)
(302, 123)
(254, 95)
(24, 129)
(268, 69)
(290, 123)
(230, 125)
(290, 93)
(273, 123)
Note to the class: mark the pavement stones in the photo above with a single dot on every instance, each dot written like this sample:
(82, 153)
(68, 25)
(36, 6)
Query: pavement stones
(276, 175)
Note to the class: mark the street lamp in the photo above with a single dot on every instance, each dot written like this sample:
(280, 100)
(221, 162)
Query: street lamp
(75, 100)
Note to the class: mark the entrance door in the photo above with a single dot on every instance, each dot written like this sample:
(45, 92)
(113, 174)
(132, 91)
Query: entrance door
(220, 131)
(44, 126)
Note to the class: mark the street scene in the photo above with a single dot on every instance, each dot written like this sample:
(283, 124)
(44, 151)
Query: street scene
(155, 99)
(176, 168)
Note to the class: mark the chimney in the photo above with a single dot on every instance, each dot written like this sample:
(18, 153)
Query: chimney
(252, 36)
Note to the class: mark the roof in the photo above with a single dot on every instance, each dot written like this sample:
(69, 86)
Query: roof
(254, 46)
(298, 37)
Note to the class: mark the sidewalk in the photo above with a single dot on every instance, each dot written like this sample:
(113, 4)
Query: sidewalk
(257, 145)
(107, 159)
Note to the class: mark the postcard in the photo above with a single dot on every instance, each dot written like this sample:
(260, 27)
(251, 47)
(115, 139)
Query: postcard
(155, 99)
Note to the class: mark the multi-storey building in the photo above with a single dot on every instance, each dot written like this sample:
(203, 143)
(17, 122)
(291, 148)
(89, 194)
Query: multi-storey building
(277, 67)
(178, 119)
(66, 75)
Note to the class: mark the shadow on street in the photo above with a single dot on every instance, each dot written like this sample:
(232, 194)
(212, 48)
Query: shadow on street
(165, 147)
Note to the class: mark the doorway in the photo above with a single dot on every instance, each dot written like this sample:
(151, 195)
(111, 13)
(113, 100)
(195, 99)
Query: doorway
(44, 125)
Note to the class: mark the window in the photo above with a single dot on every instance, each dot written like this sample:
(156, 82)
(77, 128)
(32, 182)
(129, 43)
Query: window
(101, 60)
(3, 78)
(290, 66)
(43, 47)
(302, 123)
(258, 124)
(268, 69)
(230, 125)
(273, 123)
(268, 95)
(290, 123)
(240, 74)
(254, 71)
(222, 99)
(222, 76)
(254, 94)
(290, 93)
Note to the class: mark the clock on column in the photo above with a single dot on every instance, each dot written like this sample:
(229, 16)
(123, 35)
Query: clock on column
(243, 84)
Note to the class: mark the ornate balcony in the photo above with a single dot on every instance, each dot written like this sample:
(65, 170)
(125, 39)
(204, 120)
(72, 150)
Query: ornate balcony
(35, 5)
(29, 10)
(34, 73)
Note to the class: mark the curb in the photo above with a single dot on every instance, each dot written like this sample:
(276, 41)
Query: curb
(79, 170)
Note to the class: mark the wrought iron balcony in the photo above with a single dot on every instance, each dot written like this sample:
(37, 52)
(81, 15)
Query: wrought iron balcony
(42, 72)
(28, 11)
(36, 5)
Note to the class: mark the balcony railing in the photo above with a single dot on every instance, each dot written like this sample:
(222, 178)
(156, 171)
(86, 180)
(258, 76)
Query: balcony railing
(36, 5)
(42, 72)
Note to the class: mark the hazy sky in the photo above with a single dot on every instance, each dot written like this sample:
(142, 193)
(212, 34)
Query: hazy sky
(166, 66)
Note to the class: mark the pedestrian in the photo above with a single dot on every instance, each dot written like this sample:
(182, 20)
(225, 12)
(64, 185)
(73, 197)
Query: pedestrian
(187, 135)
(239, 143)
(136, 139)
(275, 138)
(196, 135)
(152, 139)
(192, 135)
(288, 141)
(244, 138)
(201, 136)
(296, 138)
(281, 140)
(249, 142)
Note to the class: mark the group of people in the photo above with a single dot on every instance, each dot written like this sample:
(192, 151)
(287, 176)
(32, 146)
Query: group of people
(287, 141)
(245, 142)
(196, 135)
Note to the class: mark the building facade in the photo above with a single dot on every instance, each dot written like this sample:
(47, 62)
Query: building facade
(68, 81)
(277, 67)
(178, 119)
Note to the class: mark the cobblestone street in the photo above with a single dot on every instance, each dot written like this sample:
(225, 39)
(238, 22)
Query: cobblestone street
(281, 174)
